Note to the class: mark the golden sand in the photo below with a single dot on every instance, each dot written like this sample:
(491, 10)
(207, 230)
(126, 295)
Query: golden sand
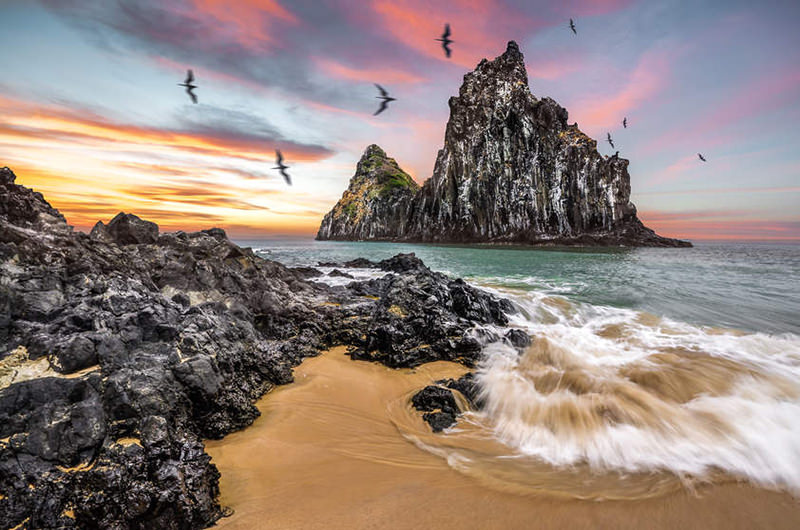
(327, 454)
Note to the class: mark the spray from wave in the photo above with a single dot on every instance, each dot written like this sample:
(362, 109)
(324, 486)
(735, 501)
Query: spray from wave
(622, 391)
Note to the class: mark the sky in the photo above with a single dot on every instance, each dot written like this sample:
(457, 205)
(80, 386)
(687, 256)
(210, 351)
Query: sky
(91, 114)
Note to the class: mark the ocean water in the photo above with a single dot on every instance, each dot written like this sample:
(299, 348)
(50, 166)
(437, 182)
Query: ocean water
(647, 365)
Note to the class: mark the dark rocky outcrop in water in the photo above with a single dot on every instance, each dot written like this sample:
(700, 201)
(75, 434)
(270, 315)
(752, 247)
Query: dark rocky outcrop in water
(439, 404)
(512, 170)
(120, 351)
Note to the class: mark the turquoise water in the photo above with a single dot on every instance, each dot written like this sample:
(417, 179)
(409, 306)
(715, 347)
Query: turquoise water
(748, 286)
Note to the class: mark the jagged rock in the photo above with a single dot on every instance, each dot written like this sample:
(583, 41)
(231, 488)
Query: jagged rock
(121, 351)
(128, 229)
(518, 338)
(375, 202)
(336, 273)
(440, 405)
(511, 171)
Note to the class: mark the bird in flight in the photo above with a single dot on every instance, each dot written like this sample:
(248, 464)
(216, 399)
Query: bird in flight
(385, 99)
(610, 141)
(189, 84)
(282, 167)
(702, 157)
(572, 26)
(445, 40)
(625, 122)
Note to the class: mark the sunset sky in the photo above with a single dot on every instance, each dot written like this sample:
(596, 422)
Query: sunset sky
(93, 118)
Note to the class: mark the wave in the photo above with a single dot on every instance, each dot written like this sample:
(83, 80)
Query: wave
(624, 391)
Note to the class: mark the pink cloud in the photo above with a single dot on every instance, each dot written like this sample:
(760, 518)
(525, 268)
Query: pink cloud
(247, 21)
(761, 96)
(646, 81)
(386, 75)
(703, 224)
(480, 27)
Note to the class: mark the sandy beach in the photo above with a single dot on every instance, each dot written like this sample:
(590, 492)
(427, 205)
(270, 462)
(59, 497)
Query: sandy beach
(327, 453)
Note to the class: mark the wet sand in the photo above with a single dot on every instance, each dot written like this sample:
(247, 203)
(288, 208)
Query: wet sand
(325, 454)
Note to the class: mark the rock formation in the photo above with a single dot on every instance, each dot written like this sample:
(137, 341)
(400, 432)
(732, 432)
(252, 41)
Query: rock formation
(376, 202)
(512, 170)
(120, 351)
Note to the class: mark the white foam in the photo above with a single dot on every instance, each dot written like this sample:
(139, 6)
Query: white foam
(358, 275)
(758, 432)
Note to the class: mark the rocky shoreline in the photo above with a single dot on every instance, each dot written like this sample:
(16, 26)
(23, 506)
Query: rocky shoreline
(120, 351)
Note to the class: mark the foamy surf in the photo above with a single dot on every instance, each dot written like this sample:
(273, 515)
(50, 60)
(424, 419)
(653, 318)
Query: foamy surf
(623, 391)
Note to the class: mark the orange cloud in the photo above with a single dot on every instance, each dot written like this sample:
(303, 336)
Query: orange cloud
(480, 27)
(385, 75)
(720, 225)
(90, 168)
(247, 21)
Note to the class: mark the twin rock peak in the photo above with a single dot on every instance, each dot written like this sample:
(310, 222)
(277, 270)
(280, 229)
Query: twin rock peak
(512, 170)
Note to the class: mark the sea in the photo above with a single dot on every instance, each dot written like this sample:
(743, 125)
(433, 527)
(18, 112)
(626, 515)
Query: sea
(648, 367)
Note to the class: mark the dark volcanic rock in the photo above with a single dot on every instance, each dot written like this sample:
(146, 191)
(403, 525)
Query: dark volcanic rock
(512, 170)
(440, 405)
(336, 273)
(121, 351)
(128, 229)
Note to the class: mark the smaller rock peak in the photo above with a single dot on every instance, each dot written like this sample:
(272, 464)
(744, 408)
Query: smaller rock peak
(374, 150)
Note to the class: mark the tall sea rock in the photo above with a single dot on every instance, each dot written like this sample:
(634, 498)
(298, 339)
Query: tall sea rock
(511, 170)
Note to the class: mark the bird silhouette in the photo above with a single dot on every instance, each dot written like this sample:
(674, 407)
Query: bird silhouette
(610, 141)
(189, 84)
(385, 99)
(445, 40)
(625, 122)
(282, 167)
(702, 157)
(572, 27)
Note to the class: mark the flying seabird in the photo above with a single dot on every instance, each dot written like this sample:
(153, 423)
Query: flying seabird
(445, 40)
(610, 141)
(282, 167)
(625, 122)
(385, 99)
(702, 157)
(189, 84)
(572, 27)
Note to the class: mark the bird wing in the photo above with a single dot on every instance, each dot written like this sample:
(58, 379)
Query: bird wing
(384, 105)
(446, 31)
(382, 91)
(286, 177)
(191, 94)
(189, 76)
(447, 49)
(280, 157)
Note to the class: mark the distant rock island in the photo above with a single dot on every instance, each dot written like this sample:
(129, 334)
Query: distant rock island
(511, 171)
